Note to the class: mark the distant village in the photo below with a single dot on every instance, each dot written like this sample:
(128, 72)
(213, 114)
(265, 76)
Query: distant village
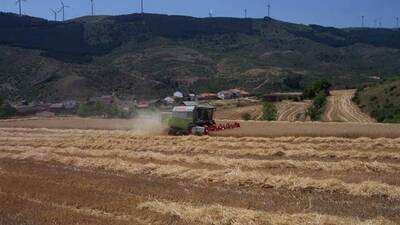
(101, 105)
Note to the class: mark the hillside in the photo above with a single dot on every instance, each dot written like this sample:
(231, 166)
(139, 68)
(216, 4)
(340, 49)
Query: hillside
(381, 101)
(151, 55)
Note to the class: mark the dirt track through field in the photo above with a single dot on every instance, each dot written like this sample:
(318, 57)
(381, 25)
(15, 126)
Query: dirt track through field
(119, 177)
(341, 108)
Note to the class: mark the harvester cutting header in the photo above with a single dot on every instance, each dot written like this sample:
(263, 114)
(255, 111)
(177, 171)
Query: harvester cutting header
(195, 119)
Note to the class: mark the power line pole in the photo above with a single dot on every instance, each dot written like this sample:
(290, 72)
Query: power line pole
(397, 22)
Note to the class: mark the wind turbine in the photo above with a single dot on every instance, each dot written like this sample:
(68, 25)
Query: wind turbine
(397, 22)
(245, 13)
(55, 14)
(92, 5)
(363, 19)
(62, 9)
(19, 2)
(269, 9)
(141, 6)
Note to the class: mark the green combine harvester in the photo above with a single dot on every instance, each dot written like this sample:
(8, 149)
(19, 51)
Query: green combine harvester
(195, 119)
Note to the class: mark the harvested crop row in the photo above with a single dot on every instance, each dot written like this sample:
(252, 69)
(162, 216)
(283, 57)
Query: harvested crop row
(220, 161)
(227, 176)
(133, 145)
(292, 111)
(221, 215)
(340, 108)
(320, 143)
(144, 145)
(111, 142)
(132, 135)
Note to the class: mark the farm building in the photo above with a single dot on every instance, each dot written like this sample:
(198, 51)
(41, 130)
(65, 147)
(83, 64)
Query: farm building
(70, 104)
(168, 100)
(143, 104)
(277, 97)
(106, 99)
(208, 96)
(232, 94)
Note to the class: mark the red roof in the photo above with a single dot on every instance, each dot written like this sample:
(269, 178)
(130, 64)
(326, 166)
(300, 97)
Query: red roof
(143, 104)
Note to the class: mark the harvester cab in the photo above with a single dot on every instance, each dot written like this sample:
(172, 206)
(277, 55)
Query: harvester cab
(195, 119)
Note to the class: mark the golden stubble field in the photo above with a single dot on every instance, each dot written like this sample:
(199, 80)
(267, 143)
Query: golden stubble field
(51, 176)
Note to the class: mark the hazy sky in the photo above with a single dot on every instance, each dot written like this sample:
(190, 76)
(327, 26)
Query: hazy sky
(339, 13)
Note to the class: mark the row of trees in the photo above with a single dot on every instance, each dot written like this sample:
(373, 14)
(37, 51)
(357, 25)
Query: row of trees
(318, 92)
(104, 110)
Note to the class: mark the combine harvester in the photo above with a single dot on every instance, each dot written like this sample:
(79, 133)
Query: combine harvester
(195, 120)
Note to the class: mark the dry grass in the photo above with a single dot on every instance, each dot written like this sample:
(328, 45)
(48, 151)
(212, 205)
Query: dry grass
(221, 215)
(236, 113)
(346, 165)
(228, 176)
(222, 177)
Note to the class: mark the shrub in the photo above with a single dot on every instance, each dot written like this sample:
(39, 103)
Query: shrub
(269, 111)
(316, 110)
(84, 110)
(6, 110)
(246, 116)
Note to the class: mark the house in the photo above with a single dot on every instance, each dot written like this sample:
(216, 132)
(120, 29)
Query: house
(56, 107)
(143, 104)
(227, 95)
(70, 104)
(168, 101)
(240, 93)
(28, 110)
(232, 94)
(208, 96)
(178, 94)
(106, 99)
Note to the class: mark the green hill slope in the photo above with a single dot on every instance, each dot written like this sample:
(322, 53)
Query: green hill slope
(381, 101)
(151, 55)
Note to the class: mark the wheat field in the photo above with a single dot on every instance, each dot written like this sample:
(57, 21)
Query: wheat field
(51, 176)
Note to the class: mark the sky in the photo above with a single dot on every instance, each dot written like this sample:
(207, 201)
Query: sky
(337, 13)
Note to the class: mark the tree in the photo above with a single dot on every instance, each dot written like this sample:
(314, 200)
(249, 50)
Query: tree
(316, 110)
(6, 110)
(269, 111)
(319, 86)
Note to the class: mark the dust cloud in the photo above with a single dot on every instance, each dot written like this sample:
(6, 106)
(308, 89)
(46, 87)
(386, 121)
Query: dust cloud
(149, 123)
